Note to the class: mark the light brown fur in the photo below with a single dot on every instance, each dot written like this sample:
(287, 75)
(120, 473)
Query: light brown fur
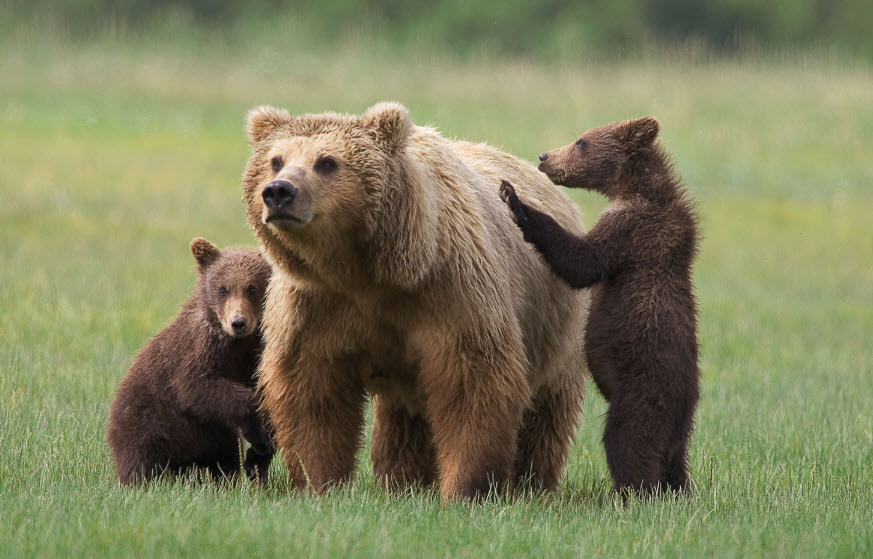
(401, 275)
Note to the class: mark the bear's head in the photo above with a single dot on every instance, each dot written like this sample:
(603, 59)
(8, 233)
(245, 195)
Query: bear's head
(330, 195)
(231, 286)
(597, 159)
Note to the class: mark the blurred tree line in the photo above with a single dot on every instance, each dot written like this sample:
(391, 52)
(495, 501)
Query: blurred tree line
(538, 27)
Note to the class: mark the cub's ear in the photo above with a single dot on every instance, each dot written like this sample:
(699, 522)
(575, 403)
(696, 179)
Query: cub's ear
(389, 123)
(262, 121)
(640, 132)
(205, 253)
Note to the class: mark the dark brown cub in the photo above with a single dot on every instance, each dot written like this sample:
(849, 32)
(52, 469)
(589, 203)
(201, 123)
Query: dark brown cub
(641, 337)
(191, 389)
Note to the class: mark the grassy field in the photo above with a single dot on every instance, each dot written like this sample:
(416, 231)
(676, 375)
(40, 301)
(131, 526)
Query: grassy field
(113, 156)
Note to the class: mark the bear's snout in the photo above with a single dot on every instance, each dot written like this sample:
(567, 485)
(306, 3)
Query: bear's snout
(238, 318)
(544, 156)
(238, 324)
(279, 194)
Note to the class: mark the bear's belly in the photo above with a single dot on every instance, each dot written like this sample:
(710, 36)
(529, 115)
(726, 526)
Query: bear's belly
(392, 373)
(397, 386)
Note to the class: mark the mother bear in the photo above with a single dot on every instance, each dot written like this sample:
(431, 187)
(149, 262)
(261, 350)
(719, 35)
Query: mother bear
(400, 274)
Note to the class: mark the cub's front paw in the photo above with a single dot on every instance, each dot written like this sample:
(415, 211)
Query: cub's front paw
(507, 191)
(510, 198)
(259, 436)
(257, 466)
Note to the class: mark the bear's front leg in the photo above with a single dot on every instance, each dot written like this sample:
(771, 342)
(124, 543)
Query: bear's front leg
(510, 198)
(476, 391)
(316, 407)
(257, 433)
(257, 465)
(220, 400)
(579, 261)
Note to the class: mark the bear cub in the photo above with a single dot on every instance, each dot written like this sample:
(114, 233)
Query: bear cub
(191, 389)
(641, 338)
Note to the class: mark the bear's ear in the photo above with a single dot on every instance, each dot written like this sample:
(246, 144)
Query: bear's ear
(205, 253)
(389, 123)
(262, 121)
(640, 132)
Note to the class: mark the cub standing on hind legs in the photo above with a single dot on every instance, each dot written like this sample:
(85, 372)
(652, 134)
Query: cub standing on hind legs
(192, 386)
(641, 338)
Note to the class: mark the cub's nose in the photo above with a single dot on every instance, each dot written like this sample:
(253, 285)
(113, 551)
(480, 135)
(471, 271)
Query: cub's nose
(544, 156)
(279, 194)
(238, 324)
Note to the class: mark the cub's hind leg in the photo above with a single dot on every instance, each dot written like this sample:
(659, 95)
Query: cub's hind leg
(635, 440)
(676, 468)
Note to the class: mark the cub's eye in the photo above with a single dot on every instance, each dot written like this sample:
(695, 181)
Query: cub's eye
(581, 144)
(251, 290)
(277, 164)
(222, 291)
(325, 164)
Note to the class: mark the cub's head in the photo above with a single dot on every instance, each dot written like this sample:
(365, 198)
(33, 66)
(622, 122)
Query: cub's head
(231, 286)
(324, 189)
(595, 161)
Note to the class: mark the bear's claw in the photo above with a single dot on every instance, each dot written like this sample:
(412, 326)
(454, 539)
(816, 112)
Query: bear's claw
(510, 198)
(506, 190)
(257, 466)
(257, 434)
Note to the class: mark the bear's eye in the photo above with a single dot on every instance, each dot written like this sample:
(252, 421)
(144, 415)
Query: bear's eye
(581, 144)
(222, 291)
(325, 164)
(277, 164)
(251, 290)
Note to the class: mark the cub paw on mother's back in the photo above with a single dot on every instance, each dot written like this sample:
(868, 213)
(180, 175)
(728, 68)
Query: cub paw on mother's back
(510, 198)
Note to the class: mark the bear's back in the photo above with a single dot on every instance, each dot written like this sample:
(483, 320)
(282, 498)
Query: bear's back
(494, 165)
(552, 316)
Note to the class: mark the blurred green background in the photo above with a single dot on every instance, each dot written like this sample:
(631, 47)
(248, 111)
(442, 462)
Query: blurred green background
(121, 138)
(542, 29)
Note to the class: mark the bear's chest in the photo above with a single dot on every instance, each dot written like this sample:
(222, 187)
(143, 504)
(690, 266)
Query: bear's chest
(397, 385)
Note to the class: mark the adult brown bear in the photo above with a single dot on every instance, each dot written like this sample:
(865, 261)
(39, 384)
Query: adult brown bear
(400, 274)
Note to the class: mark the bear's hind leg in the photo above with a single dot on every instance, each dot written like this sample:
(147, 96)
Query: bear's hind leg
(676, 467)
(402, 451)
(141, 461)
(635, 441)
(544, 440)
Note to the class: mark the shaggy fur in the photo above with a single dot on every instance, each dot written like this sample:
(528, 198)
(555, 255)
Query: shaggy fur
(191, 388)
(400, 275)
(642, 333)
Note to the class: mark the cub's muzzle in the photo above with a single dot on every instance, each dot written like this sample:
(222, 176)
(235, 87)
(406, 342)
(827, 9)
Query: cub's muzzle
(238, 324)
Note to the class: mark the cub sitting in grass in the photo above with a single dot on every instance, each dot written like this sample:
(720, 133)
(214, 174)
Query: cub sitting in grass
(191, 389)
(641, 337)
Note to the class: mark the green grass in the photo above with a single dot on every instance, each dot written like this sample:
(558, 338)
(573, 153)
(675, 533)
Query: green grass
(113, 156)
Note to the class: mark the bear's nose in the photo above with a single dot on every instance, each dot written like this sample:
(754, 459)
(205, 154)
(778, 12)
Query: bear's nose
(238, 324)
(279, 194)
(544, 156)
